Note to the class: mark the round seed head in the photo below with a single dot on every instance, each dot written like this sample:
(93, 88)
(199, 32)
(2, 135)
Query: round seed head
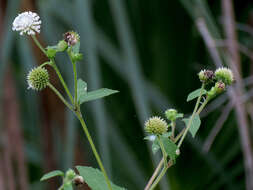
(38, 78)
(225, 75)
(156, 125)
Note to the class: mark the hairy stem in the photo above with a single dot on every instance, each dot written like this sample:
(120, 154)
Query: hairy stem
(75, 79)
(192, 116)
(38, 44)
(60, 96)
(154, 175)
(85, 129)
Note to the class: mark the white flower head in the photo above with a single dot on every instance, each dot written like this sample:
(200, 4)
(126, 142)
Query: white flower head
(27, 23)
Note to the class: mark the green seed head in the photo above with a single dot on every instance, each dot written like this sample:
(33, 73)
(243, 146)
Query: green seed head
(38, 78)
(206, 76)
(156, 125)
(171, 114)
(225, 75)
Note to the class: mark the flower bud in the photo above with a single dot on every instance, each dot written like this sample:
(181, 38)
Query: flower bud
(220, 86)
(70, 174)
(51, 53)
(62, 45)
(156, 125)
(78, 180)
(206, 76)
(178, 152)
(225, 75)
(71, 38)
(77, 57)
(171, 114)
(38, 78)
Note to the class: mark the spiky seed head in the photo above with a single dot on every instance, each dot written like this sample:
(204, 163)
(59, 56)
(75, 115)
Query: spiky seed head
(206, 76)
(171, 114)
(71, 38)
(225, 75)
(38, 78)
(70, 174)
(155, 125)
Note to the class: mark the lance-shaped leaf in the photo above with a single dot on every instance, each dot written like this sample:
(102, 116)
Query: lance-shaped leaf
(52, 174)
(195, 124)
(195, 94)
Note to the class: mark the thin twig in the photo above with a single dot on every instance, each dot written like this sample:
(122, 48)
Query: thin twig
(234, 62)
(217, 127)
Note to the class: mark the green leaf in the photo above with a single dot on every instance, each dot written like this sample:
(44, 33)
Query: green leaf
(95, 178)
(96, 94)
(68, 186)
(52, 174)
(155, 146)
(170, 147)
(196, 122)
(76, 47)
(195, 94)
(81, 89)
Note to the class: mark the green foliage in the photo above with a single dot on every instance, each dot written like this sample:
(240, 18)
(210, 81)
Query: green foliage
(81, 89)
(95, 178)
(94, 95)
(51, 175)
(195, 124)
(195, 94)
(170, 148)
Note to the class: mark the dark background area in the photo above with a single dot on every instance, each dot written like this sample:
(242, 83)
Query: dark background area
(151, 51)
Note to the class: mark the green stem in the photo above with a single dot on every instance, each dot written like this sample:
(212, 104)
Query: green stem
(163, 172)
(192, 116)
(75, 78)
(173, 124)
(44, 64)
(38, 44)
(53, 64)
(154, 175)
(203, 105)
(179, 135)
(60, 96)
(79, 116)
(163, 151)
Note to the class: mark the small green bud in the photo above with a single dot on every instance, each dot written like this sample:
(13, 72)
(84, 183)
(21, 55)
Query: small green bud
(225, 75)
(71, 38)
(171, 114)
(51, 52)
(62, 45)
(206, 76)
(70, 174)
(156, 125)
(38, 78)
(220, 86)
(178, 152)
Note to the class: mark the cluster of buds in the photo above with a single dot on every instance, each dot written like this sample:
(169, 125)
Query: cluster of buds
(222, 78)
(29, 23)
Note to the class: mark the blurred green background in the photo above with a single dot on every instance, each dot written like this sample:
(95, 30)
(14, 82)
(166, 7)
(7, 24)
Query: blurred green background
(151, 52)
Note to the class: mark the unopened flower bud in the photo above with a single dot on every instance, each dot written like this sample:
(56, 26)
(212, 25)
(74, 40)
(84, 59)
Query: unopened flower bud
(78, 180)
(70, 174)
(171, 114)
(206, 76)
(38, 78)
(156, 125)
(225, 75)
(220, 86)
(178, 152)
(62, 45)
(71, 38)
(51, 53)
